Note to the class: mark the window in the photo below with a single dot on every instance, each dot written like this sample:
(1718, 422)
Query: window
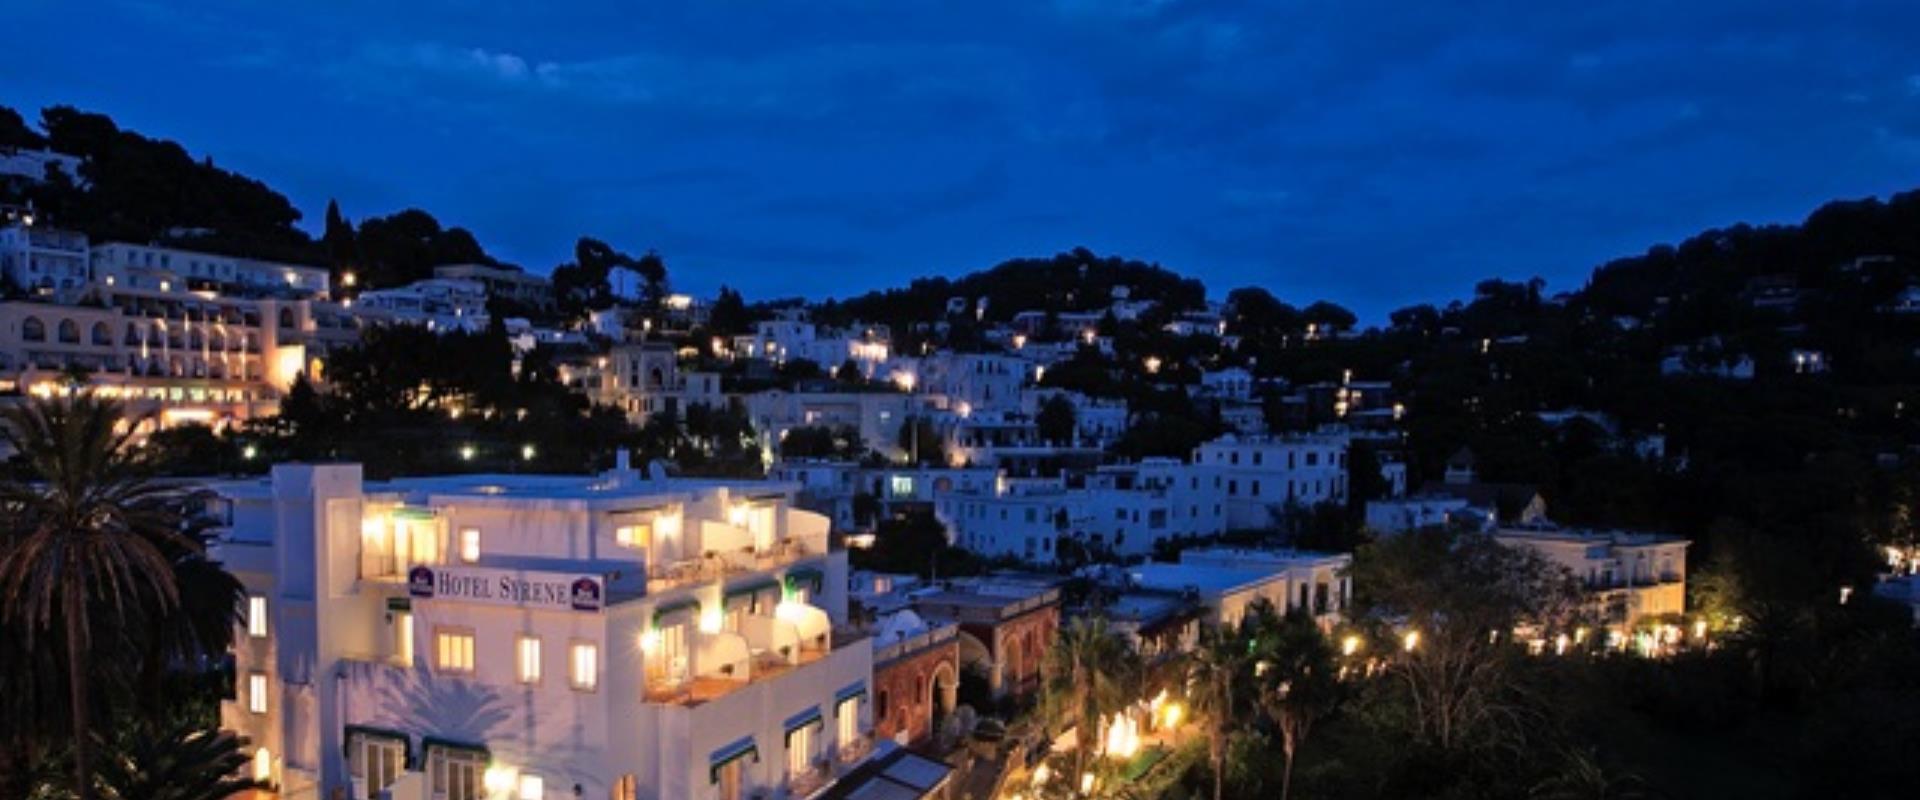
(257, 692)
(469, 544)
(584, 666)
(847, 721)
(33, 330)
(900, 485)
(376, 762)
(800, 750)
(257, 617)
(456, 774)
(633, 535)
(453, 650)
(403, 637)
(262, 765)
(532, 787)
(627, 788)
(527, 659)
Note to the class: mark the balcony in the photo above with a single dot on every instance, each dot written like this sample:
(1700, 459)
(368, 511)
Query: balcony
(762, 650)
(720, 564)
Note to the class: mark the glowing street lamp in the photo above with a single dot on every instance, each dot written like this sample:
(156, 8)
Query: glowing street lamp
(1410, 641)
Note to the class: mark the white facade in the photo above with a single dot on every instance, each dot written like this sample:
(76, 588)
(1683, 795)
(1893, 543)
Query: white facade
(876, 415)
(1265, 475)
(1228, 581)
(143, 265)
(441, 304)
(541, 637)
(38, 257)
(1404, 514)
(1124, 510)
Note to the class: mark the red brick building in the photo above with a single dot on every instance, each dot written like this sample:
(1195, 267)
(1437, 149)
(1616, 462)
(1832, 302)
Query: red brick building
(916, 682)
(1008, 625)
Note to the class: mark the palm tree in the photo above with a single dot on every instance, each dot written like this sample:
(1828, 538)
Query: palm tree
(175, 760)
(1213, 668)
(1296, 677)
(80, 540)
(1091, 673)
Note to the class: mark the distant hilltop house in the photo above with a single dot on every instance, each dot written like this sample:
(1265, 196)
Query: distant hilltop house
(1511, 503)
(1707, 359)
(21, 165)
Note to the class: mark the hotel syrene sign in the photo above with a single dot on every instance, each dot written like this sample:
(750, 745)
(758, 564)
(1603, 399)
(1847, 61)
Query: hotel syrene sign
(548, 591)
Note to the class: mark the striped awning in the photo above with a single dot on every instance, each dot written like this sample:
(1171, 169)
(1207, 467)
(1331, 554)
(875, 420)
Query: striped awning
(734, 751)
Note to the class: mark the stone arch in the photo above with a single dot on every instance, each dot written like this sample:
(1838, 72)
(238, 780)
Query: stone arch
(943, 691)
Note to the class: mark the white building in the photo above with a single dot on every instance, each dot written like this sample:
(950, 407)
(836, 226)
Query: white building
(1124, 510)
(147, 266)
(1266, 474)
(793, 339)
(1232, 383)
(441, 304)
(1628, 576)
(510, 283)
(1228, 580)
(43, 258)
(540, 637)
(1404, 514)
(971, 382)
(876, 415)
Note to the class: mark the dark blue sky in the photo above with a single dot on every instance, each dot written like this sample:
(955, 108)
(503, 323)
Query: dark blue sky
(1374, 154)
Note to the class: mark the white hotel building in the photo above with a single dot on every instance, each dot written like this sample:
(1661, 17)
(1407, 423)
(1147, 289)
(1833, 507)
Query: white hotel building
(545, 638)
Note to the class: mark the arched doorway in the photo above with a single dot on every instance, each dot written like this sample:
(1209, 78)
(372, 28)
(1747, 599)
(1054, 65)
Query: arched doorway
(943, 694)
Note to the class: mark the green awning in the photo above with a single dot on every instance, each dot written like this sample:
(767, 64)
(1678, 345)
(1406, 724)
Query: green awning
(748, 590)
(806, 575)
(738, 749)
(413, 513)
(683, 604)
(399, 604)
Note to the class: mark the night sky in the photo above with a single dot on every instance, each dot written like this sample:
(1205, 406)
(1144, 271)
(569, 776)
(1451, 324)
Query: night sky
(1373, 154)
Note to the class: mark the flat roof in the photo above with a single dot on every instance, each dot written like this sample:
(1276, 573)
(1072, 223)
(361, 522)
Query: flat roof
(1205, 578)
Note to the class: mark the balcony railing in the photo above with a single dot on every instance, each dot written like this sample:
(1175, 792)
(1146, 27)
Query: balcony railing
(817, 777)
(850, 754)
(727, 563)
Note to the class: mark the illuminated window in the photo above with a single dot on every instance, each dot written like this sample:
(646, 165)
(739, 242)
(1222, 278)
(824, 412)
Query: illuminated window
(453, 650)
(527, 658)
(262, 765)
(532, 787)
(469, 544)
(847, 721)
(257, 617)
(901, 485)
(257, 693)
(633, 535)
(583, 666)
(403, 637)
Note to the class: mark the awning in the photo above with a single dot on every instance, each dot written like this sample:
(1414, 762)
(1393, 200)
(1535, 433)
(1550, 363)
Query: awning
(738, 749)
(399, 604)
(368, 731)
(683, 604)
(811, 716)
(430, 744)
(413, 513)
(856, 689)
(749, 590)
(805, 575)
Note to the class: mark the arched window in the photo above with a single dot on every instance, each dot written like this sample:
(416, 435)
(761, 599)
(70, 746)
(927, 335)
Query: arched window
(33, 330)
(102, 334)
(69, 332)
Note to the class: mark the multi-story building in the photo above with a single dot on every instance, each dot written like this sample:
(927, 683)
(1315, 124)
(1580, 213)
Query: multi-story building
(147, 266)
(1229, 580)
(644, 379)
(877, 416)
(43, 259)
(541, 637)
(1124, 510)
(1267, 474)
(971, 382)
(441, 304)
(505, 282)
(1628, 576)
